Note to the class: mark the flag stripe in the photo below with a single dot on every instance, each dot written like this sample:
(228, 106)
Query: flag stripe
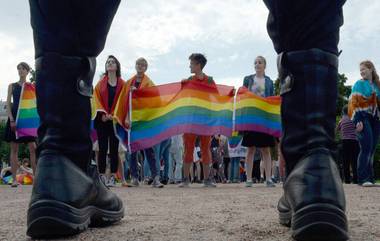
(200, 120)
(159, 101)
(196, 129)
(253, 111)
(185, 111)
(153, 113)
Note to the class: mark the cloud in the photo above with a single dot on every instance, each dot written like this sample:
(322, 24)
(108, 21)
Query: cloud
(13, 51)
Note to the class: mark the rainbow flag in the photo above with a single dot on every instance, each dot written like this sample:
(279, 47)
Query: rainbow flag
(255, 113)
(27, 120)
(160, 112)
(235, 139)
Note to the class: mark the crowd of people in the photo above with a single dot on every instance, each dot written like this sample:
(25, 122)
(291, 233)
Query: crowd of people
(190, 158)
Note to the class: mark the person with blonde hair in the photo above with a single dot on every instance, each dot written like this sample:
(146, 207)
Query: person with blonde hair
(260, 85)
(138, 81)
(364, 111)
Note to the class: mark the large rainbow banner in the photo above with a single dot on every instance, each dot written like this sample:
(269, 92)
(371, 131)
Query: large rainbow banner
(163, 111)
(255, 113)
(27, 120)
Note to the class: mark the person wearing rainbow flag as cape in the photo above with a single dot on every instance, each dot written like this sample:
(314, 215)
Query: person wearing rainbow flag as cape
(106, 95)
(15, 94)
(138, 81)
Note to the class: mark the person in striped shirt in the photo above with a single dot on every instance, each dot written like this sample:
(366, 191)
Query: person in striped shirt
(350, 146)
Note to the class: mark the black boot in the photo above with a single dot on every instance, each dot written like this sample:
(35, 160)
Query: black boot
(67, 194)
(313, 202)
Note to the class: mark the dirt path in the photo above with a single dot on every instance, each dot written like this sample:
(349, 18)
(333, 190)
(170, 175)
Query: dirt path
(229, 212)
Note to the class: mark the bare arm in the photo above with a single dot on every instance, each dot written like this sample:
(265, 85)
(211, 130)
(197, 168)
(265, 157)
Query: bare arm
(9, 103)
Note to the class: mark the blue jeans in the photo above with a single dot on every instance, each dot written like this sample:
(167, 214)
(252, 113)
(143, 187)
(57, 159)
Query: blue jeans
(149, 158)
(146, 169)
(161, 151)
(234, 169)
(175, 157)
(368, 139)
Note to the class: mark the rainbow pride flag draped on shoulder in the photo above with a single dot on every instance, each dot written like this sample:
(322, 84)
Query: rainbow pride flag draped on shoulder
(27, 120)
(163, 111)
(255, 113)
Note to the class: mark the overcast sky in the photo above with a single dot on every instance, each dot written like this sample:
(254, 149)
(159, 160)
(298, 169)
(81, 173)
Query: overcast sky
(231, 33)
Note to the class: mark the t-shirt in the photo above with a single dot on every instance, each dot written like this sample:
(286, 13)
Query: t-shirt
(111, 95)
(258, 86)
(347, 128)
(206, 79)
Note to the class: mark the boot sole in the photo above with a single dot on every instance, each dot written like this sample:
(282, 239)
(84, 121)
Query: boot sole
(285, 218)
(319, 222)
(52, 219)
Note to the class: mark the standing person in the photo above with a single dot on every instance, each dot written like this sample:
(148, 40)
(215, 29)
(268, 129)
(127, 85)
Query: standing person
(350, 146)
(175, 159)
(223, 142)
(138, 81)
(261, 85)
(364, 110)
(13, 100)
(107, 93)
(162, 154)
(197, 63)
(305, 34)
(74, 196)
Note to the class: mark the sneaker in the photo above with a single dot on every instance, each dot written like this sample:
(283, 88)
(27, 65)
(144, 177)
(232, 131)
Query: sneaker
(208, 183)
(165, 181)
(156, 182)
(149, 181)
(171, 182)
(270, 184)
(249, 183)
(185, 183)
(368, 184)
(134, 182)
(103, 178)
(111, 181)
(15, 184)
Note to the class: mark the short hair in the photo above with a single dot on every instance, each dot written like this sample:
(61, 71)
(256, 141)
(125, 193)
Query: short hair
(118, 71)
(24, 65)
(141, 59)
(199, 58)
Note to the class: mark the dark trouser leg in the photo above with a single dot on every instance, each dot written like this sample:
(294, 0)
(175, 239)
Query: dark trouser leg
(354, 161)
(347, 157)
(366, 146)
(133, 165)
(67, 193)
(150, 157)
(103, 137)
(114, 151)
(306, 34)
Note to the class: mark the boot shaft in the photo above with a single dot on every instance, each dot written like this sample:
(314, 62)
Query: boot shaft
(309, 92)
(64, 110)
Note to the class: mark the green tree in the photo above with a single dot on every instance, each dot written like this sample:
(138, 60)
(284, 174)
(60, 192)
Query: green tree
(32, 75)
(277, 87)
(5, 147)
(344, 92)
